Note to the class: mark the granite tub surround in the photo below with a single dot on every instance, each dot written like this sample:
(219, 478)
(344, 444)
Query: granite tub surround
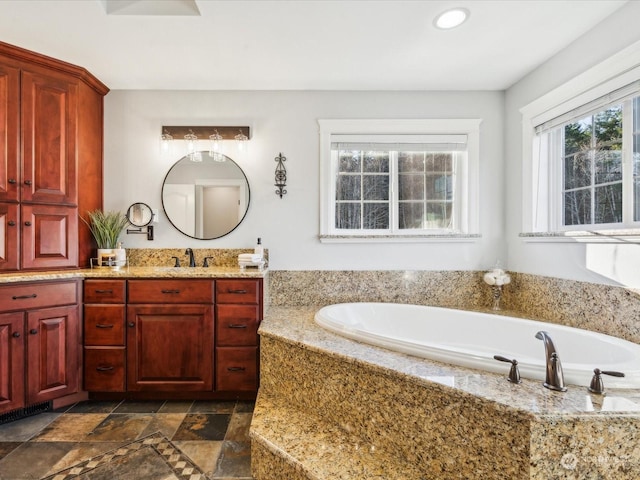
(453, 289)
(161, 257)
(601, 308)
(332, 408)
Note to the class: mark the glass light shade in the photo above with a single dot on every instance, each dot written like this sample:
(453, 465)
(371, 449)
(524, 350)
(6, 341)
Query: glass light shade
(241, 139)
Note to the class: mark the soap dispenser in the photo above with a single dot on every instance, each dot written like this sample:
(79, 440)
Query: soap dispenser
(259, 250)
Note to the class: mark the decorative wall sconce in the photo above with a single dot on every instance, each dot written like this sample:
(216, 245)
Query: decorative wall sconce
(281, 175)
(215, 135)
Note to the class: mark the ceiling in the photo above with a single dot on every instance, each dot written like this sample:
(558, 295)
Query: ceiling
(300, 44)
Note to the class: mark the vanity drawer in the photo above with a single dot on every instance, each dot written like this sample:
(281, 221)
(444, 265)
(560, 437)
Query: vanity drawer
(237, 325)
(104, 369)
(37, 295)
(170, 291)
(104, 291)
(237, 291)
(237, 368)
(104, 324)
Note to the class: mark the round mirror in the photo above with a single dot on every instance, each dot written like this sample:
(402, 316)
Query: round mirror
(139, 214)
(205, 196)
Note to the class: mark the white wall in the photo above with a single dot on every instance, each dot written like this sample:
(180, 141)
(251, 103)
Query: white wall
(596, 263)
(287, 122)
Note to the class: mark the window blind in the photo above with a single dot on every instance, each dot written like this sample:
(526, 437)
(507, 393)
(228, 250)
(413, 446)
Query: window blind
(616, 96)
(428, 143)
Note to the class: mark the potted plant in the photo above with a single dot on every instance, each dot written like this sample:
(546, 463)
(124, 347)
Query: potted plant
(106, 227)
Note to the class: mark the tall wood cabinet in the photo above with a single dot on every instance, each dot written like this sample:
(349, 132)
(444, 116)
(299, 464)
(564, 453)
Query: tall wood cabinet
(51, 131)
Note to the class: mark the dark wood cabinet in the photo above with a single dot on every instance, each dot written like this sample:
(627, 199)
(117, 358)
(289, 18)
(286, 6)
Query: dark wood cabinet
(104, 335)
(40, 340)
(12, 366)
(51, 122)
(238, 315)
(53, 341)
(170, 348)
(170, 335)
(175, 338)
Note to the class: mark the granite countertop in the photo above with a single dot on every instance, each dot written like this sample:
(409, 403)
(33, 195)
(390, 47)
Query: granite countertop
(135, 272)
(296, 325)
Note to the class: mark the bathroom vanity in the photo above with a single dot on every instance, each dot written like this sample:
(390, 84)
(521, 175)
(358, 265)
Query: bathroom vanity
(141, 332)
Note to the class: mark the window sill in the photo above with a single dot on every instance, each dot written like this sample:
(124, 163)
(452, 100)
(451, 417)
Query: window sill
(583, 236)
(436, 238)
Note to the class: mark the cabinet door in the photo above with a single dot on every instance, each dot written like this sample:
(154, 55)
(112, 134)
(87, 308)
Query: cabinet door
(49, 125)
(9, 132)
(53, 361)
(9, 236)
(170, 348)
(49, 236)
(11, 361)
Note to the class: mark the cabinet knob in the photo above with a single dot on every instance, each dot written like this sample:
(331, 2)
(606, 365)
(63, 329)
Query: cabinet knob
(131, 324)
(28, 182)
(28, 224)
(12, 181)
(33, 331)
(11, 223)
(16, 334)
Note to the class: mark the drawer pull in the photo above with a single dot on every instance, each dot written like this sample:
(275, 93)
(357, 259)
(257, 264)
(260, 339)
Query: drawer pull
(236, 325)
(22, 297)
(33, 331)
(236, 369)
(104, 369)
(237, 291)
(171, 291)
(104, 325)
(104, 291)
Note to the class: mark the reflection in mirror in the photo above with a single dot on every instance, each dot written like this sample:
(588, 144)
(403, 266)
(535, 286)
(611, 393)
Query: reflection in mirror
(139, 214)
(207, 198)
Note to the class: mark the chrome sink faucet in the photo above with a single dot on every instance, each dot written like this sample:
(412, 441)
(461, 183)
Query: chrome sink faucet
(192, 260)
(554, 379)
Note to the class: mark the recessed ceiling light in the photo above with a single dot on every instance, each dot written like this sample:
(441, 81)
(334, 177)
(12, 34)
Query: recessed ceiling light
(451, 18)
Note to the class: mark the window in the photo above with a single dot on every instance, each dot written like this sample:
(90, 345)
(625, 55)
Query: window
(398, 178)
(591, 156)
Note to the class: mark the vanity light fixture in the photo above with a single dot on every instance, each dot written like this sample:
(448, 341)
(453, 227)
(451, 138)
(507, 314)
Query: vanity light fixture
(215, 134)
(281, 175)
(451, 18)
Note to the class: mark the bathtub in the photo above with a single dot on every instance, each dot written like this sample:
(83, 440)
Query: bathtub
(471, 339)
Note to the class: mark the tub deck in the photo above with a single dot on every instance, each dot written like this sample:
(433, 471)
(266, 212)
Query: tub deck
(333, 408)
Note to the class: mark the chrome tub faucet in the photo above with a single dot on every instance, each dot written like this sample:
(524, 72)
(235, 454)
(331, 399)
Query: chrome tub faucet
(554, 378)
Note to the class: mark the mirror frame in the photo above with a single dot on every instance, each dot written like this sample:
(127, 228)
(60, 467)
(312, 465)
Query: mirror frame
(244, 175)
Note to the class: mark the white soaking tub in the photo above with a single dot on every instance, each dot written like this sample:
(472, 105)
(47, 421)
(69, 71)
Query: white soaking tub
(471, 339)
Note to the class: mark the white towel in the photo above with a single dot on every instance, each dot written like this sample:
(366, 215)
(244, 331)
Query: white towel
(249, 257)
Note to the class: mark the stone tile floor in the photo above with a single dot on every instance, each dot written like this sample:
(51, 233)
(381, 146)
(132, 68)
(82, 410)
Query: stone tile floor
(213, 434)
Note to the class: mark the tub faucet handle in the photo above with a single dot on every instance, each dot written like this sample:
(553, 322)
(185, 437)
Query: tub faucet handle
(597, 385)
(514, 373)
